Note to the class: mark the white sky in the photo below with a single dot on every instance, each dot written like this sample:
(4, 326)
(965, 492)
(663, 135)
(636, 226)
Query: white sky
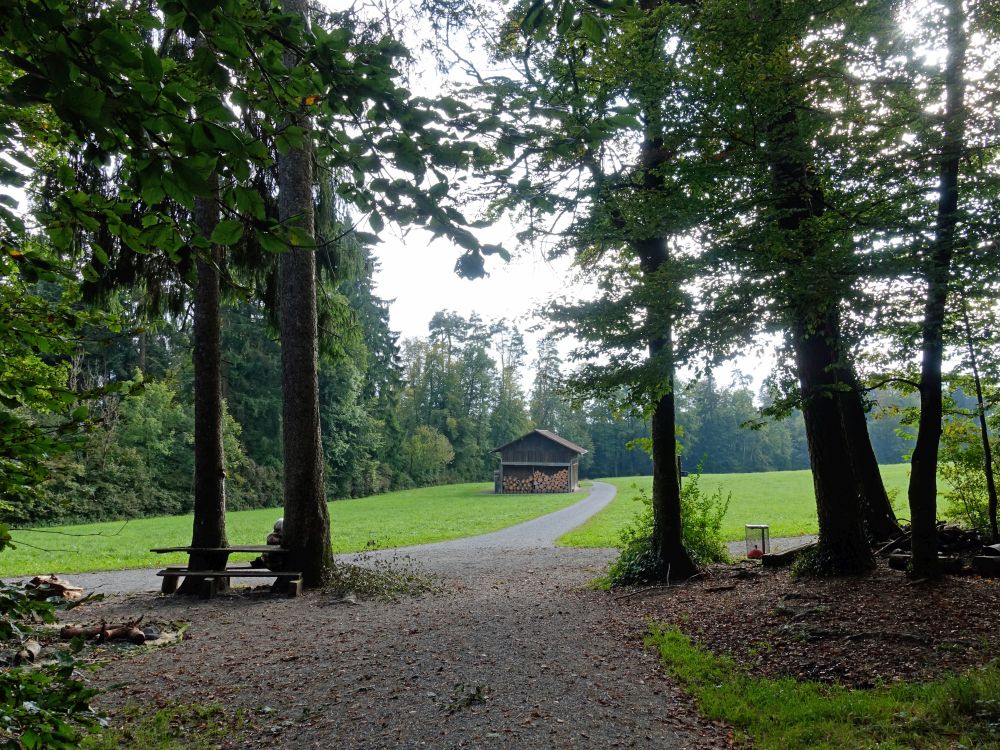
(419, 278)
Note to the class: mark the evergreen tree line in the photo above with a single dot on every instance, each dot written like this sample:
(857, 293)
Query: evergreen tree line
(394, 415)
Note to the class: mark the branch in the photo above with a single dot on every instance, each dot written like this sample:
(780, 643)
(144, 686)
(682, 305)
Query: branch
(68, 533)
(881, 383)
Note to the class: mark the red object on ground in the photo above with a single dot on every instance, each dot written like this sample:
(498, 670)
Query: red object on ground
(755, 554)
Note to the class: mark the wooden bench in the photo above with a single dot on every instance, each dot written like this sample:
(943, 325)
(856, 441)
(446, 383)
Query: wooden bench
(286, 581)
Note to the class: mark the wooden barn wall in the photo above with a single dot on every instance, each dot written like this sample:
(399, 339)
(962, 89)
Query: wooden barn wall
(535, 448)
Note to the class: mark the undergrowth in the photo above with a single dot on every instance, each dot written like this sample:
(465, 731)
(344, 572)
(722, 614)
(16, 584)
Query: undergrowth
(958, 712)
(41, 705)
(701, 529)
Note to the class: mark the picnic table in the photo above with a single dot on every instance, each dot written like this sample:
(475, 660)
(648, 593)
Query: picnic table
(286, 581)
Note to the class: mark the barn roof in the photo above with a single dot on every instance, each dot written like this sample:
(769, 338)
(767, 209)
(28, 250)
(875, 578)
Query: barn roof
(551, 436)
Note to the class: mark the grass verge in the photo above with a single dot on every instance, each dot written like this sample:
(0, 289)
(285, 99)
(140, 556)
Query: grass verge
(396, 519)
(783, 714)
(176, 727)
(782, 499)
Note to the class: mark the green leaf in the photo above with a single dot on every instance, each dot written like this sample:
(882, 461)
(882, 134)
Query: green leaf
(408, 156)
(271, 243)
(298, 237)
(84, 101)
(566, 17)
(100, 254)
(153, 194)
(151, 64)
(176, 190)
(592, 27)
(250, 202)
(535, 17)
(227, 232)
(189, 179)
(375, 221)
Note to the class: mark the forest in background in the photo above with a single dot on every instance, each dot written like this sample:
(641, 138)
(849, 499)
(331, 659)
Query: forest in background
(395, 413)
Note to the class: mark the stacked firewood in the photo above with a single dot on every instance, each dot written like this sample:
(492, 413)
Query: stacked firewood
(538, 482)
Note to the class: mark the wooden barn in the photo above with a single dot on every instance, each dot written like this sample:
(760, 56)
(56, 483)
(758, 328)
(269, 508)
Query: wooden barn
(540, 461)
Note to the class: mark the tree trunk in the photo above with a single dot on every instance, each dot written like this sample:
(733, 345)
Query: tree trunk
(307, 519)
(672, 559)
(813, 305)
(141, 353)
(879, 518)
(843, 547)
(923, 464)
(209, 460)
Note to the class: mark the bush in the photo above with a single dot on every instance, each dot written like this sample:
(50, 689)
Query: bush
(636, 561)
(40, 707)
(701, 531)
(961, 467)
(701, 521)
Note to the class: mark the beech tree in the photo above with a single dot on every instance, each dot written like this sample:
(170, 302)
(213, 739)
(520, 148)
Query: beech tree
(937, 272)
(601, 124)
(776, 151)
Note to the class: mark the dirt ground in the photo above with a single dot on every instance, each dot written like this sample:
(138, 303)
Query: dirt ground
(858, 631)
(513, 650)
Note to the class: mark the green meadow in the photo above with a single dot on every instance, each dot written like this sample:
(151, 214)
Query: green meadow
(396, 519)
(783, 500)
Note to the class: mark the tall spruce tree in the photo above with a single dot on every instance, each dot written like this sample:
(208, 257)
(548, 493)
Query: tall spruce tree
(306, 532)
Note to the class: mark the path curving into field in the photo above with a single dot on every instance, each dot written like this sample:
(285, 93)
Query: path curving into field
(514, 650)
(538, 532)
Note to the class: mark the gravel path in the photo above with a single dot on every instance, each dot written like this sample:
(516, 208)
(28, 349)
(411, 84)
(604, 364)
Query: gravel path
(539, 532)
(514, 651)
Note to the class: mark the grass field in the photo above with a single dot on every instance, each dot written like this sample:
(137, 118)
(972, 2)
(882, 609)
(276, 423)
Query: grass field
(429, 514)
(783, 500)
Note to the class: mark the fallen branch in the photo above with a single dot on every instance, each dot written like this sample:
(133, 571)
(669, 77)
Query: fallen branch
(646, 590)
(129, 633)
(785, 556)
(891, 545)
(666, 585)
(104, 632)
(889, 635)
